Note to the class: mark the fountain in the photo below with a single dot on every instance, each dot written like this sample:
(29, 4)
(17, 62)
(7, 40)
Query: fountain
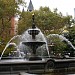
(32, 53)
(33, 38)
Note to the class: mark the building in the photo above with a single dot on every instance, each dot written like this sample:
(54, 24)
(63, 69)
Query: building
(14, 26)
(30, 7)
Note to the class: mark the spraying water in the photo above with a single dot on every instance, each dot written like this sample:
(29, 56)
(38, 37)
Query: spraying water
(7, 45)
(39, 39)
(62, 38)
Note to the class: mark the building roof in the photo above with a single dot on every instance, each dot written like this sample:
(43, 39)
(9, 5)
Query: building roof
(30, 7)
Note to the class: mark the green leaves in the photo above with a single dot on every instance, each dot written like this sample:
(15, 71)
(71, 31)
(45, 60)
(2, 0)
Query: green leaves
(8, 9)
(45, 19)
(58, 46)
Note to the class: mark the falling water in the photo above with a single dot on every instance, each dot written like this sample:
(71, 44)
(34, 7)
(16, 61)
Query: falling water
(26, 37)
(62, 38)
(7, 45)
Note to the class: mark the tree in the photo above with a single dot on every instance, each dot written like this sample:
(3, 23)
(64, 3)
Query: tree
(57, 45)
(72, 35)
(8, 8)
(45, 19)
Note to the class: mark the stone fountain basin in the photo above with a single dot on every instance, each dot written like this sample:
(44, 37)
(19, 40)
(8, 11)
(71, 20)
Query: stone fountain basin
(18, 61)
(19, 64)
(14, 65)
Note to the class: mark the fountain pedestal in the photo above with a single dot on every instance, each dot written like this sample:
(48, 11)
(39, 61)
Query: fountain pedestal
(34, 46)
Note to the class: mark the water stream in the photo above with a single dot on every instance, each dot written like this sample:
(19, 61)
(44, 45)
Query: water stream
(62, 38)
(10, 43)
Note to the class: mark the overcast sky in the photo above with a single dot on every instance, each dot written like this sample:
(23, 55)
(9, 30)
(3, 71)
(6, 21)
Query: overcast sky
(64, 6)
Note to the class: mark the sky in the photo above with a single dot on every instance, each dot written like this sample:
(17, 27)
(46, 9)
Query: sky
(64, 6)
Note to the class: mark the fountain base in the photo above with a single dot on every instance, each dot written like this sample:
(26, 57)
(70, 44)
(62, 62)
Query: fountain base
(35, 58)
